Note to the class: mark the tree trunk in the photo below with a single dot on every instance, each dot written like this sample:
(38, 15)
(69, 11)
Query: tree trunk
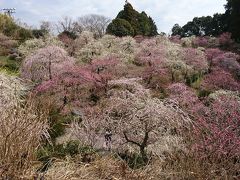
(143, 154)
(49, 70)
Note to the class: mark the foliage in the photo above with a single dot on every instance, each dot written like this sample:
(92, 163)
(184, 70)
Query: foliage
(188, 41)
(10, 28)
(177, 30)
(73, 148)
(7, 25)
(120, 27)
(166, 61)
(8, 64)
(229, 62)
(6, 44)
(202, 26)
(134, 160)
(74, 45)
(39, 33)
(213, 26)
(57, 122)
(196, 59)
(22, 34)
(129, 22)
(232, 13)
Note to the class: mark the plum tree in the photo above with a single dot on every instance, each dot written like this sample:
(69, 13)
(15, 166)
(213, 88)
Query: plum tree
(45, 64)
(216, 132)
(220, 79)
(30, 46)
(138, 119)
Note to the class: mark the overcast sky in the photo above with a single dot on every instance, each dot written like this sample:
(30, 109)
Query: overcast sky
(165, 12)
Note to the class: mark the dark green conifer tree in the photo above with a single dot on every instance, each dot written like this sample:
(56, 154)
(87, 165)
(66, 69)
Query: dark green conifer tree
(139, 22)
(233, 14)
(120, 27)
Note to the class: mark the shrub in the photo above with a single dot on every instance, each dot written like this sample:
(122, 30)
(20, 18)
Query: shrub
(23, 34)
(8, 64)
(49, 153)
(6, 44)
(142, 120)
(57, 121)
(187, 99)
(73, 46)
(134, 160)
(7, 25)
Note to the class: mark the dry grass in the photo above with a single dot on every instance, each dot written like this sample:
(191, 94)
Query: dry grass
(102, 169)
(12, 89)
(22, 128)
(177, 166)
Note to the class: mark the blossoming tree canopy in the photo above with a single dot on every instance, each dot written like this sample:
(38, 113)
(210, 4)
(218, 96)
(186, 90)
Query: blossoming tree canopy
(45, 64)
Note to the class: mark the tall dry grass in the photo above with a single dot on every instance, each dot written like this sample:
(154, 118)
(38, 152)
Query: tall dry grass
(22, 128)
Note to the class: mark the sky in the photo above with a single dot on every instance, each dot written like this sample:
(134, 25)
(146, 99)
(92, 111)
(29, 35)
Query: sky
(164, 12)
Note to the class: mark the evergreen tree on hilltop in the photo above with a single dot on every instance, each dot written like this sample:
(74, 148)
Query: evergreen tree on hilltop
(130, 15)
(139, 22)
(233, 14)
(120, 27)
(153, 27)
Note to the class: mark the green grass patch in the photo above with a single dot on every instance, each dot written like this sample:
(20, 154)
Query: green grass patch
(49, 153)
(9, 65)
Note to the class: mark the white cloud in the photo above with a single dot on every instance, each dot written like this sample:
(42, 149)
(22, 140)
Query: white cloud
(165, 12)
